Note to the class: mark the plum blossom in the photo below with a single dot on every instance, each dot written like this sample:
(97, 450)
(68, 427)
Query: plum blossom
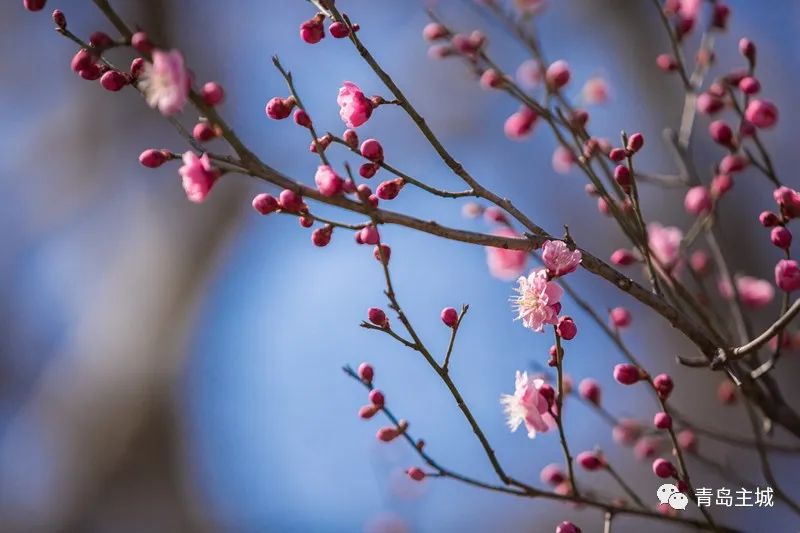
(526, 405)
(537, 301)
(505, 264)
(165, 82)
(595, 91)
(559, 259)
(355, 107)
(753, 292)
(664, 243)
(198, 176)
(328, 182)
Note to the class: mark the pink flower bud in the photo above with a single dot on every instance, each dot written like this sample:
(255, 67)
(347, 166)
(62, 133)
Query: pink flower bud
(720, 132)
(761, 113)
(552, 475)
(416, 474)
(367, 170)
(328, 182)
(789, 201)
(387, 253)
(709, 104)
(449, 317)
(748, 49)
(279, 108)
(663, 468)
(366, 372)
(368, 411)
(590, 390)
(91, 73)
(557, 75)
(664, 385)
(369, 235)
(33, 5)
(377, 317)
(720, 184)
(617, 155)
(781, 237)
(566, 328)
(602, 207)
(290, 201)
(662, 421)
(768, 219)
(322, 236)
(137, 67)
(59, 19)
(567, 527)
(700, 262)
(305, 221)
(627, 374)
(339, 30)
(388, 190)
(666, 62)
(622, 257)
(141, 42)
(635, 142)
(372, 150)
(520, 124)
(491, 79)
(433, 32)
(749, 85)
(265, 203)
(590, 460)
(387, 434)
(351, 138)
(620, 317)
(312, 31)
(301, 118)
(626, 432)
(646, 448)
(787, 275)
(203, 131)
(100, 40)
(726, 393)
(82, 60)
(687, 440)
(152, 158)
(697, 201)
(732, 163)
(376, 398)
(720, 15)
(212, 93)
(622, 175)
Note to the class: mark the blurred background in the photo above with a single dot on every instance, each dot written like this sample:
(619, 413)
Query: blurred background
(172, 367)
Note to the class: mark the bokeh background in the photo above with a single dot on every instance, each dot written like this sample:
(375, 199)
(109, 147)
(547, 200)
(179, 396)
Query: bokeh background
(166, 366)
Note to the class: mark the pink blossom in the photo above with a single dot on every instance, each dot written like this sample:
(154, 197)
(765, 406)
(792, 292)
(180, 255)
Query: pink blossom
(526, 405)
(595, 91)
(787, 275)
(355, 107)
(505, 264)
(198, 176)
(559, 259)
(520, 124)
(537, 299)
(761, 113)
(328, 182)
(562, 160)
(788, 200)
(697, 201)
(753, 292)
(529, 74)
(664, 243)
(166, 82)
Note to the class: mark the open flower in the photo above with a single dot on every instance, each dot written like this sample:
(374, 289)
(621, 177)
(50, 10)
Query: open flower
(355, 107)
(198, 176)
(537, 301)
(506, 264)
(559, 259)
(526, 405)
(165, 82)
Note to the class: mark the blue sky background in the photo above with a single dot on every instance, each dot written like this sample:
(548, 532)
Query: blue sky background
(268, 419)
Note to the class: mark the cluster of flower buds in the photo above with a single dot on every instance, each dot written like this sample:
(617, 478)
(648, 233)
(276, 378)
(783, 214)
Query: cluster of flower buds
(312, 30)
